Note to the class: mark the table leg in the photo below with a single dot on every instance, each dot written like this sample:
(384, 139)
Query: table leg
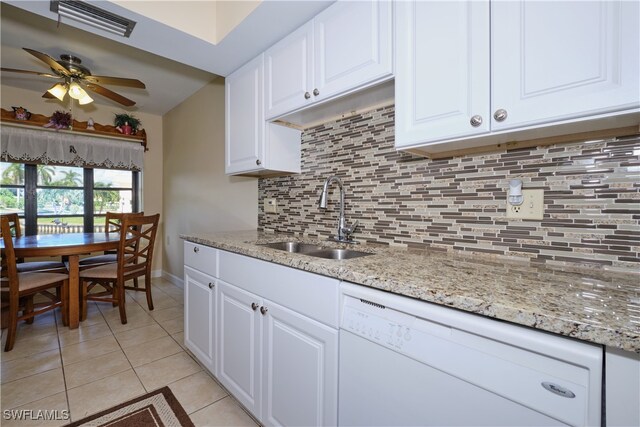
(74, 291)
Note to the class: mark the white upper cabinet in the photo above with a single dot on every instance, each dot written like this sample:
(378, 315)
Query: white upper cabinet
(352, 45)
(560, 60)
(253, 146)
(289, 72)
(442, 70)
(344, 48)
(244, 118)
(479, 73)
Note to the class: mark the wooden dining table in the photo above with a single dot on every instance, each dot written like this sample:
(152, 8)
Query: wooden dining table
(70, 245)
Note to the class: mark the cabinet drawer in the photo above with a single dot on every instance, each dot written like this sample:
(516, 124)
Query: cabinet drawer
(200, 257)
(310, 294)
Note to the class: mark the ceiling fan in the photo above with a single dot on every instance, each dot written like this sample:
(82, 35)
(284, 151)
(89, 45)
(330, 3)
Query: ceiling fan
(75, 76)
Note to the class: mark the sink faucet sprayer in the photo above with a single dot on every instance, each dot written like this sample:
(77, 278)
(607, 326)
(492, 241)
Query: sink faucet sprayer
(344, 233)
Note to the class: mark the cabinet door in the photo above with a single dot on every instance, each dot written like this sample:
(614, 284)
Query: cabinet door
(199, 315)
(239, 349)
(442, 70)
(300, 364)
(289, 72)
(557, 60)
(352, 46)
(244, 118)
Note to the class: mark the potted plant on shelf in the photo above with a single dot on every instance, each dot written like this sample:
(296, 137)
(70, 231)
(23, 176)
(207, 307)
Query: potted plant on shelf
(127, 123)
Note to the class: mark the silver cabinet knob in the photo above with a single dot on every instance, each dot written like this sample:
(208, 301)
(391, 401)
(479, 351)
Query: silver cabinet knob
(476, 121)
(500, 115)
(210, 285)
(307, 95)
(263, 310)
(254, 306)
(258, 162)
(196, 249)
(316, 92)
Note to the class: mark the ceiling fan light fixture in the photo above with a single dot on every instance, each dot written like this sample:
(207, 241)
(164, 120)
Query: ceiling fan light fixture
(76, 92)
(59, 90)
(86, 99)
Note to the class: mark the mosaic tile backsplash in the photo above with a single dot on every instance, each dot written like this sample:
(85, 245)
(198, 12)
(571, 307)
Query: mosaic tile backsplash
(591, 196)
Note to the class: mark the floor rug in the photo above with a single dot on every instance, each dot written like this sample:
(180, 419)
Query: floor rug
(160, 408)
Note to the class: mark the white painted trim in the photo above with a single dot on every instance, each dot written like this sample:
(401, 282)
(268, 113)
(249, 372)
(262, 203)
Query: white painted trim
(178, 281)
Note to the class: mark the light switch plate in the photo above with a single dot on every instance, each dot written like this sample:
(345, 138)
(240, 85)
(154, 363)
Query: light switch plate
(270, 206)
(531, 208)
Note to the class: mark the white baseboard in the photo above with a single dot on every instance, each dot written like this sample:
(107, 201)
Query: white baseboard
(178, 281)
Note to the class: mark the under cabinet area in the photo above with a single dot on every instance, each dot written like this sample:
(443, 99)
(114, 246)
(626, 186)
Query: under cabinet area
(476, 73)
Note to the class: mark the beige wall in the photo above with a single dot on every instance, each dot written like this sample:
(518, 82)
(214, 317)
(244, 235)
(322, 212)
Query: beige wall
(103, 114)
(198, 196)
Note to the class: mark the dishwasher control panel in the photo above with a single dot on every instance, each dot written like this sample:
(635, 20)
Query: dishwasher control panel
(377, 323)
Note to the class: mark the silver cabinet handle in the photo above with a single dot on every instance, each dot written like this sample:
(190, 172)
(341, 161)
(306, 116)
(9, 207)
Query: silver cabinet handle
(307, 95)
(476, 121)
(258, 162)
(210, 285)
(316, 92)
(263, 310)
(500, 115)
(254, 306)
(196, 249)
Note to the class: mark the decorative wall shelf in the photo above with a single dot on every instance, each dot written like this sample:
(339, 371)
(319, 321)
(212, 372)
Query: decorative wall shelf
(102, 131)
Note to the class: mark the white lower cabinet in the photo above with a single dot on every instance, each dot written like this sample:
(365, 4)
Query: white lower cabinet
(300, 369)
(239, 345)
(280, 364)
(199, 315)
(200, 269)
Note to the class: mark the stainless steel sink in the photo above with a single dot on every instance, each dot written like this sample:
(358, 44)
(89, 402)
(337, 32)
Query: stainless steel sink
(338, 254)
(293, 247)
(315, 250)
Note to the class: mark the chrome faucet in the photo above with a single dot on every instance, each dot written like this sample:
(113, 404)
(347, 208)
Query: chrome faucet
(344, 233)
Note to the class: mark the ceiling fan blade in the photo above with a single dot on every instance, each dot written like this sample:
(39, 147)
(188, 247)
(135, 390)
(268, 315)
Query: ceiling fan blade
(48, 60)
(110, 94)
(13, 70)
(120, 81)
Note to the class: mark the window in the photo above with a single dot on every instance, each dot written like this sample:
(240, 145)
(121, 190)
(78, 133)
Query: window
(66, 199)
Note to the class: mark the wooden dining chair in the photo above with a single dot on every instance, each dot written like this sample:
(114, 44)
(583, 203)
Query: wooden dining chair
(135, 254)
(18, 289)
(113, 222)
(23, 267)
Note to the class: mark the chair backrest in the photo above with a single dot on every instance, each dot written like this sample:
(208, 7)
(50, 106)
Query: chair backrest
(135, 251)
(9, 259)
(113, 220)
(14, 224)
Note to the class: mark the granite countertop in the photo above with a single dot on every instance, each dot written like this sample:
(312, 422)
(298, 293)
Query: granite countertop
(591, 305)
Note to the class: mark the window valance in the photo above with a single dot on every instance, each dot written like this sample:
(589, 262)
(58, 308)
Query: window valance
(46, 146)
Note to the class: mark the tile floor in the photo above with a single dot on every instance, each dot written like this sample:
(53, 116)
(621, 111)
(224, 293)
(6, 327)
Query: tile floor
(103, 363)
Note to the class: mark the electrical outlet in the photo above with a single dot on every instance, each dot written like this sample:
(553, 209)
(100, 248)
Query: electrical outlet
(531, 208)
(270, 206)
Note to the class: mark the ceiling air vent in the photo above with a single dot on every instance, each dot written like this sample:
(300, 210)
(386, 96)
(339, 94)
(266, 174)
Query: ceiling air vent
(94, 16)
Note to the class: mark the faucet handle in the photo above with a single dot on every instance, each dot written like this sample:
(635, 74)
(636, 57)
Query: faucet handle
(348, 231)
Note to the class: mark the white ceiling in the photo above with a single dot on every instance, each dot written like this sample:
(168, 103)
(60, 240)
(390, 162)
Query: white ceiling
(145, 56)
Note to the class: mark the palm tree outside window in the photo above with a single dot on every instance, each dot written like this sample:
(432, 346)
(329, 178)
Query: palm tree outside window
(65, 199)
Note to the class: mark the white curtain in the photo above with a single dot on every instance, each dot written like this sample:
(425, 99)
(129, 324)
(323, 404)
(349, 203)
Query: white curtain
(47, 146)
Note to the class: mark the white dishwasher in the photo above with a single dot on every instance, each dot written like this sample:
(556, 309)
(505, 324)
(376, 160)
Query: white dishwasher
(407, 362)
